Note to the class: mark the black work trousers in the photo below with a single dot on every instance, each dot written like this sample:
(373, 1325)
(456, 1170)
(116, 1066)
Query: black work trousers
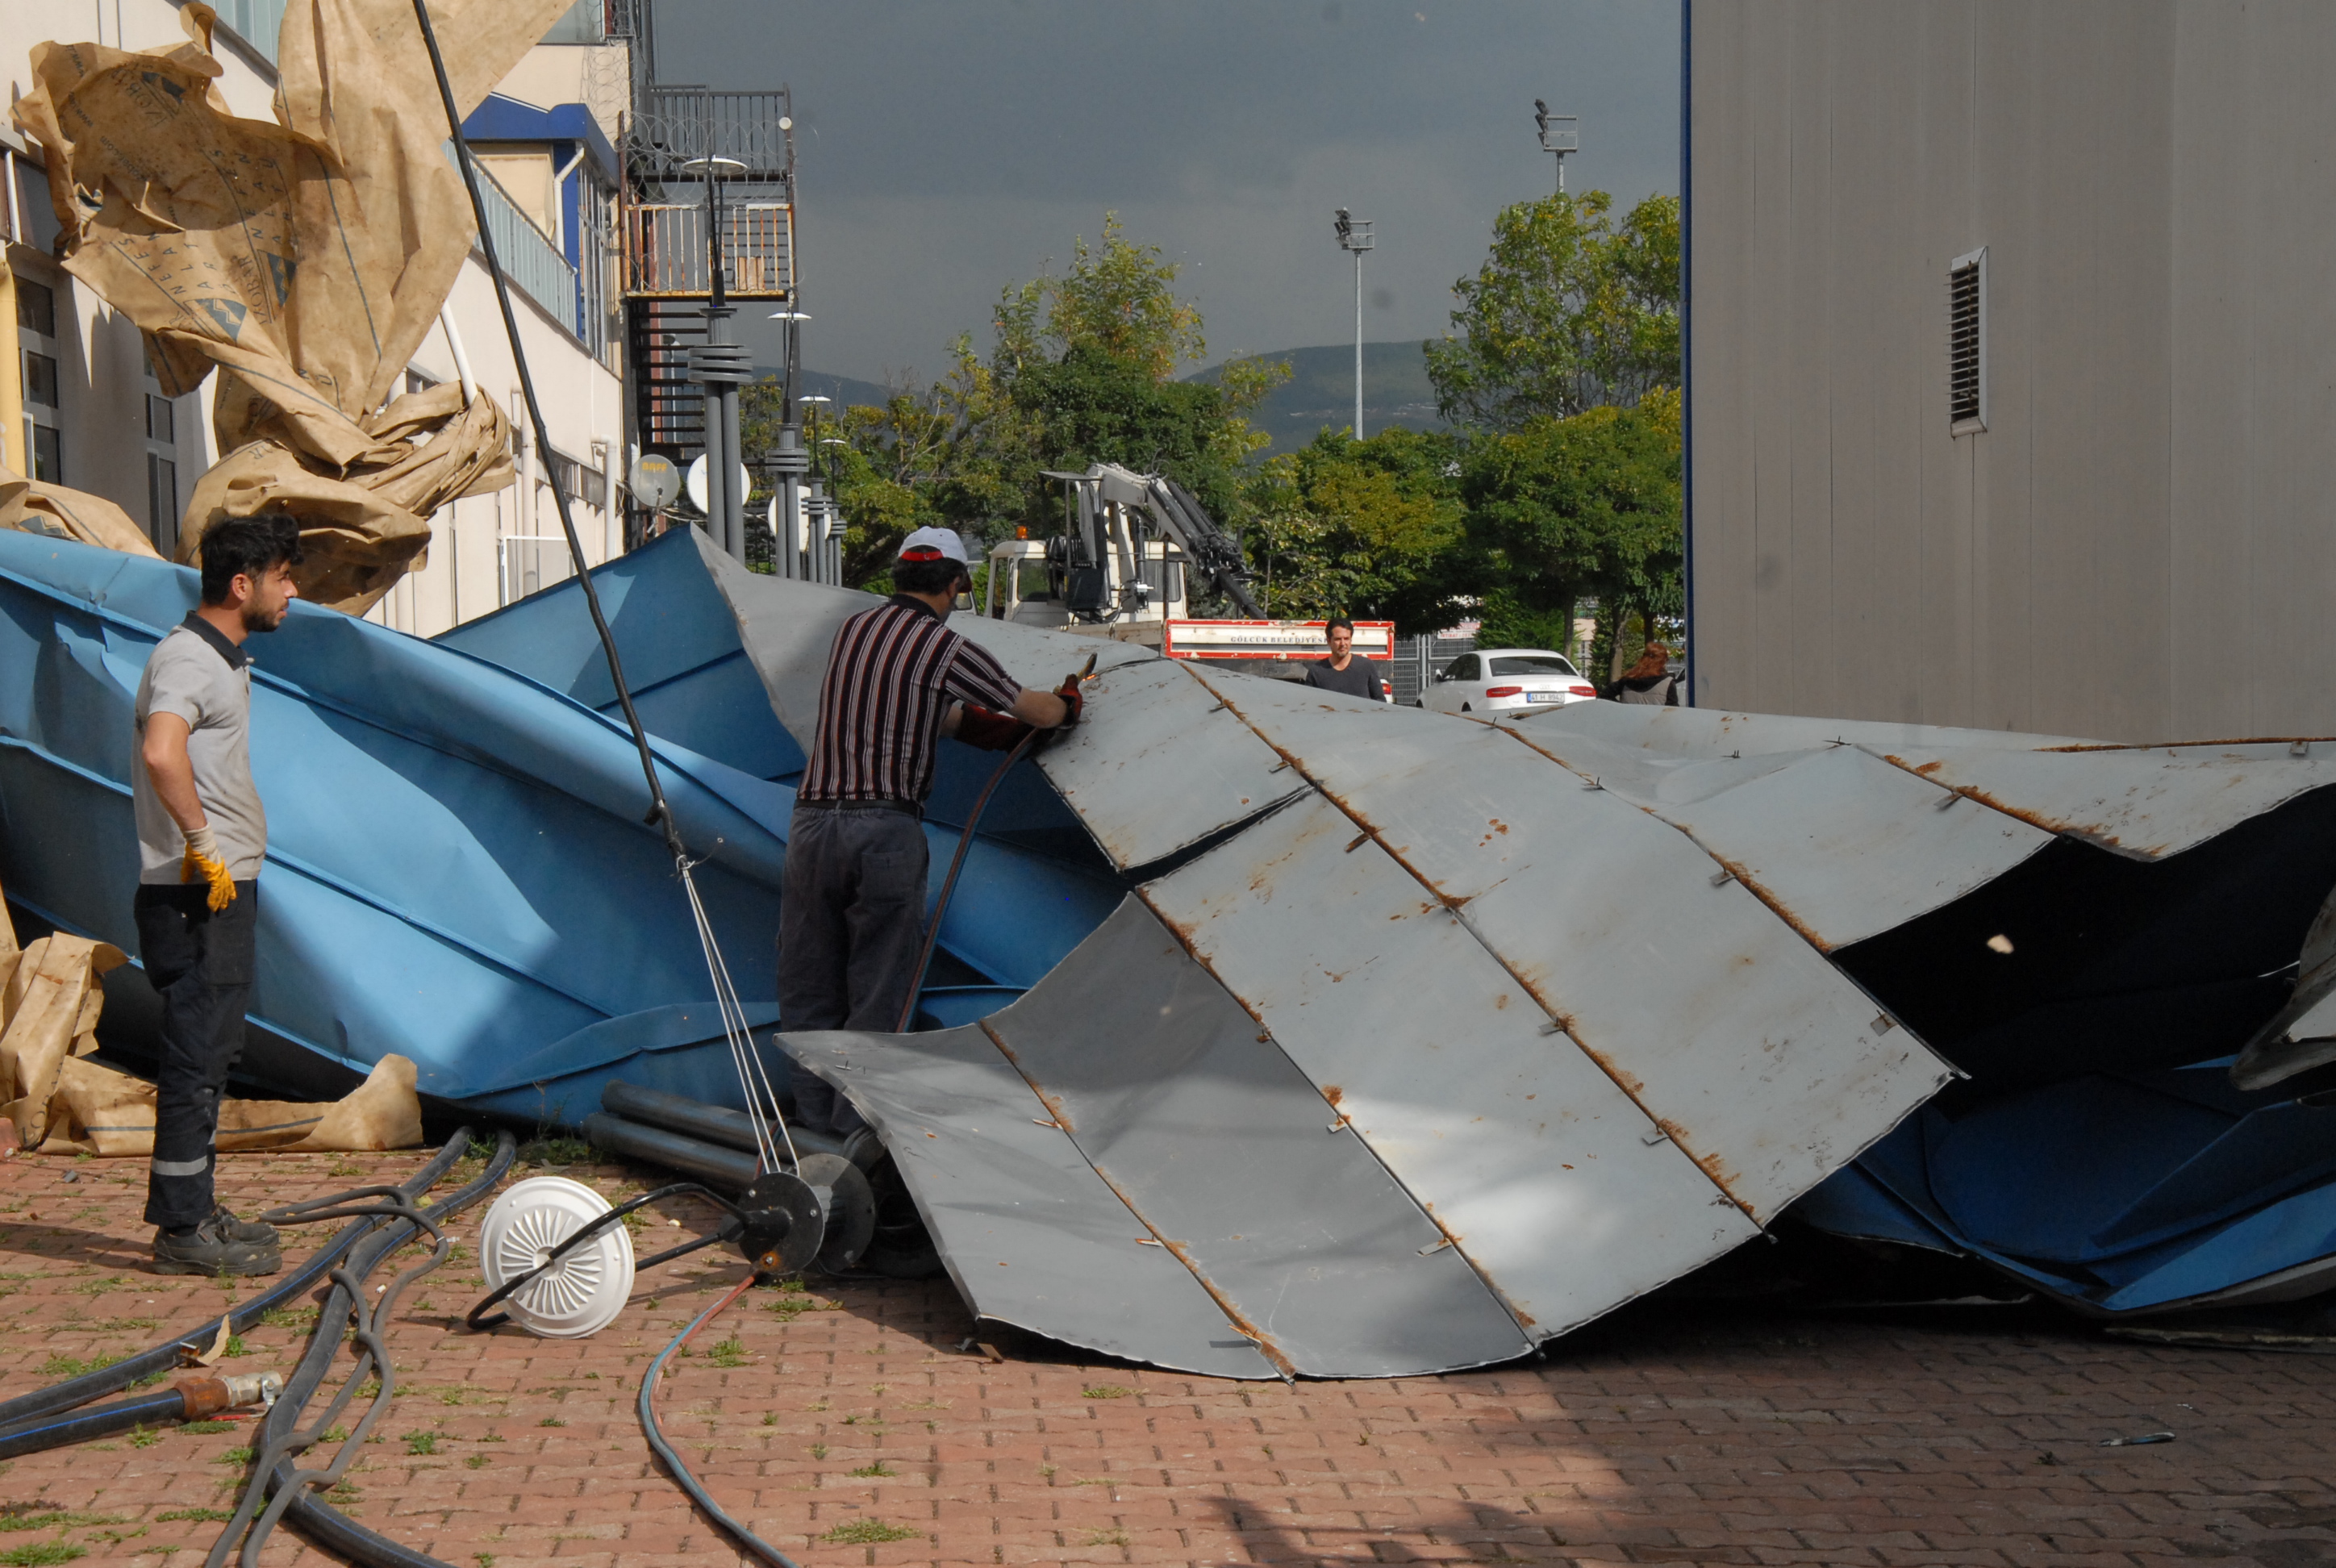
(851, 921)
(201, 963)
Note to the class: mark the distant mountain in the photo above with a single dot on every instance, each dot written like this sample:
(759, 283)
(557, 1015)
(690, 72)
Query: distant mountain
(1322, 391)
(847, 391)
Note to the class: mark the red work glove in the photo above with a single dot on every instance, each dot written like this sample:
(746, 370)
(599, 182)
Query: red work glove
(1069, 692)
(985, 730)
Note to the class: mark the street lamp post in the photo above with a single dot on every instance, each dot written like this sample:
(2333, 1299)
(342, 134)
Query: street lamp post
(720, 365)
(1354, 237)
(1559, 135)
(791, 462)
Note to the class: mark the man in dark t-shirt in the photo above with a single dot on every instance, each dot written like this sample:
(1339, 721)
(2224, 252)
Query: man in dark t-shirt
(1342, 671)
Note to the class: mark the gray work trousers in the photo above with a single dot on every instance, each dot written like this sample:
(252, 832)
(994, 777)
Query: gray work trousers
(852, 917)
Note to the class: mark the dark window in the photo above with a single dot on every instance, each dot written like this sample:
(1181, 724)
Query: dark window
(1461, 669)
(161, 496)
(48, 454)
(1966, 342)
(40, 380)
(581, 481)
(162, 419)
(1532, 664)
(37, 307)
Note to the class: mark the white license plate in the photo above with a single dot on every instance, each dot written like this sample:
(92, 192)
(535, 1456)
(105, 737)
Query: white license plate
(1544, 697)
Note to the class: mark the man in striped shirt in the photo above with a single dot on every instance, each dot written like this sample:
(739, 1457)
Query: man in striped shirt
(852, 918)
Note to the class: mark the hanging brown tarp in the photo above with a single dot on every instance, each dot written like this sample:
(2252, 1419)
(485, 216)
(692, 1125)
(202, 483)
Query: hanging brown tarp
(305, 259)
(36, 506)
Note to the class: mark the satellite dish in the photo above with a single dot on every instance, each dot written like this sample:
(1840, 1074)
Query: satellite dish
(656, 480)
(697, 482)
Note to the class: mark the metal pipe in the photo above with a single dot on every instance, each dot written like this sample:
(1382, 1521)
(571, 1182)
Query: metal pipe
(731, 1129)
(729, 1168)
(461, 360)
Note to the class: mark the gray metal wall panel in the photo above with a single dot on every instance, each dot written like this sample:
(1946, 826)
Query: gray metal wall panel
(2139, 547)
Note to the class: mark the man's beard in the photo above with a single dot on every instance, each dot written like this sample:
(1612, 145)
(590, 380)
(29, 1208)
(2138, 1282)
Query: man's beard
(258, 620)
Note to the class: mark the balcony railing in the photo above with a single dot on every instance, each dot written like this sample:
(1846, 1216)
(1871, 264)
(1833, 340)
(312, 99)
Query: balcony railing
(676, 125)
(529, 258)
(665, 250)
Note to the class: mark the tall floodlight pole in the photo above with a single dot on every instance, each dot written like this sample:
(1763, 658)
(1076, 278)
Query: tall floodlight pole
(1354, 237)
(1559, 135)
(791, 462)
(720, 364)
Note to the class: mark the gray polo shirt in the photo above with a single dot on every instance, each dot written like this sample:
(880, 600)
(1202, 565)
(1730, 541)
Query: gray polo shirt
(206, 680)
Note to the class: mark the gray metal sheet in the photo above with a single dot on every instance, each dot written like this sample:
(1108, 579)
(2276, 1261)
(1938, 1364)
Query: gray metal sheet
(1839, 842)
(1710, 732)
(2142, 803)
(1031, 1235)
(1765, 1064)
(1211, 1134)
(1154, 767)
(1551, 1180)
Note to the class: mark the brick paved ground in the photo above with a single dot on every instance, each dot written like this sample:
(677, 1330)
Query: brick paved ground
(1706, 1436)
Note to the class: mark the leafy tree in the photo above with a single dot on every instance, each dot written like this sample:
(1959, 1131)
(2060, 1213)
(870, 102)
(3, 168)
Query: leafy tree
(1571, 310)
(1588, 506)
(1372, 528)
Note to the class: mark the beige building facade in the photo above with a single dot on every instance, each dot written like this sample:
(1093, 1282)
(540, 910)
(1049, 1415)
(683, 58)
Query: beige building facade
(2011, 363)
(87, 414)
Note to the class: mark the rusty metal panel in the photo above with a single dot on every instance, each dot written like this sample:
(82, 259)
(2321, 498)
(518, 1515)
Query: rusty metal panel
(1237, 1162)
(1768, 1066)
(2144, 802)
(1552, 1181)
(1154, 768)
(1029, 1231)
(1838, 841)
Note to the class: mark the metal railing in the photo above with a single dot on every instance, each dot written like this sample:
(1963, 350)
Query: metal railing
(665, 250)
(676, 125)
(529, 260)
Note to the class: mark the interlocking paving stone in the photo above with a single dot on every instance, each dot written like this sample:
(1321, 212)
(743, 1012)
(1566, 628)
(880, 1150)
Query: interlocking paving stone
(1669, 1435)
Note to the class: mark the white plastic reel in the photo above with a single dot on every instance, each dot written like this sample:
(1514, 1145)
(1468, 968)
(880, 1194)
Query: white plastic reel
(585, 1290)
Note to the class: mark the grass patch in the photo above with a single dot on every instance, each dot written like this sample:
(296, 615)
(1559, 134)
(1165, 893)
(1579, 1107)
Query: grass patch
(851, 1532)
(204, 1427)
(878, 1468)
(291, 1317)
(41, 1551)
(144, 1437)
(72, 1366)
(552, 1421)
(198, 1516)
(555, 1151)
(421, 1442)
(100, 1287)
(1105, 1391)
(729, 1353)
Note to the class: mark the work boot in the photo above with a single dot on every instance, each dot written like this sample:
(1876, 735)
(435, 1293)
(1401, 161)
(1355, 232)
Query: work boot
(252, 1232)
(206, 1250)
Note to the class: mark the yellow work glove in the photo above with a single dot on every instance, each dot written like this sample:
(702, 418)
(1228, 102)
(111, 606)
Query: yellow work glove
(203, 864)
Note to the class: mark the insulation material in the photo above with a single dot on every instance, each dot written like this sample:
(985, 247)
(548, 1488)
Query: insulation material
(36, 506)
(304, 258)
(99, 1111)
(51, 1005)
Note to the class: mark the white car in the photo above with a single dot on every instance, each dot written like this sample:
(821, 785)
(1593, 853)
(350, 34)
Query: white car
(1505, 679)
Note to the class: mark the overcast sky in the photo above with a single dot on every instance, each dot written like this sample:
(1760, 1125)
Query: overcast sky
(946, 148)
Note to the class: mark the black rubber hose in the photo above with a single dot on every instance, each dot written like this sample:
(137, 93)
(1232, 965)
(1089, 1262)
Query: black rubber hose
(673, 1462)
(164, 1357)
(80, 1425)
(312, 1516)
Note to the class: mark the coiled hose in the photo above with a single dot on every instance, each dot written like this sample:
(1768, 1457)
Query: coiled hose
(281, 1438)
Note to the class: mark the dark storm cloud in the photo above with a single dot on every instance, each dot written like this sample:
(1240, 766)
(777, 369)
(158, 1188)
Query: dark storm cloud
(949, 147)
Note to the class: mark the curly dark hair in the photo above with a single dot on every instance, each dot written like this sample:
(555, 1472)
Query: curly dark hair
(247, 547)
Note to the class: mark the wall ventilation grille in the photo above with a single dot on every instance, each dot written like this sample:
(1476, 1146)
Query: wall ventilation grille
(1967, 343)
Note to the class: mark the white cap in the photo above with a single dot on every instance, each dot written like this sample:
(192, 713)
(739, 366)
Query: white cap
(942, 541)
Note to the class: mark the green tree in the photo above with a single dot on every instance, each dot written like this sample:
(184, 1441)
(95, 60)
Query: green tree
(1571, 310)
(1373, 529)
(1564, 509)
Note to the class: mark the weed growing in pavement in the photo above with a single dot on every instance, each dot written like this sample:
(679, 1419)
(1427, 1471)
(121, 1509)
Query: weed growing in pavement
(238, 1456)
(202, 1427)
(770, 1417)
(1105, 1391)
(291, 1317)
(100, 1287)
(421, 1442)
(479, 1461)
(32, 1517)
(552, 1421)
(819, 1450)
(41, 1551)
(555, 1151)
(863, 1532)
(729, 1353)
(483, 1559)
(878, 1468)
(69, 1366)
(234, 1346)
(116, 1537)
(144, 1437)
(337, 1434)
(198, 1516)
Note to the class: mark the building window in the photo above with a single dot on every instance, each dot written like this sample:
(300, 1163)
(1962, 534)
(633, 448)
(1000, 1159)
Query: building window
(1967, 343)
(580, 480)
(161, 465)
(36, 335)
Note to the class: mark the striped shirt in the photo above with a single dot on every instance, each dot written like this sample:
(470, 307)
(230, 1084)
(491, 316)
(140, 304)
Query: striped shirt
(890, 679)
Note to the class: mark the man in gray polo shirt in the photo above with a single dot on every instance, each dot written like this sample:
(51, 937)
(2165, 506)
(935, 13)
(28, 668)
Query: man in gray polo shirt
(201, 837)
